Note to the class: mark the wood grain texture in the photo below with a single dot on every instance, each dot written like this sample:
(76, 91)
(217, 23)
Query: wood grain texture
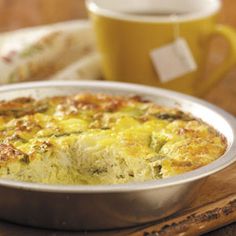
(196, 221)
(18, 13)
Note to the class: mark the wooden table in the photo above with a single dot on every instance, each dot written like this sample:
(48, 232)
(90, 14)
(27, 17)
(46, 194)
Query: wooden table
(14, 14)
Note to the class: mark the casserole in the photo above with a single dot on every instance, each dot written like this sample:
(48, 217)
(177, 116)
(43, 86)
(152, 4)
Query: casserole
(94, 138)
(110, 206)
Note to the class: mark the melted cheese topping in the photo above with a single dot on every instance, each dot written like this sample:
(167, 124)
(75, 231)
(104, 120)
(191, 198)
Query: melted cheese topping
(100, 139)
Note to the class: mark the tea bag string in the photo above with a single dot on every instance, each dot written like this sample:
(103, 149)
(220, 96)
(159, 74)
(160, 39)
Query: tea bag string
(176, 29)
(178, 47)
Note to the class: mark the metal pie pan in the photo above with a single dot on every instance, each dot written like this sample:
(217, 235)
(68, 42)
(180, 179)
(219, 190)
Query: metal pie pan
(77, 207)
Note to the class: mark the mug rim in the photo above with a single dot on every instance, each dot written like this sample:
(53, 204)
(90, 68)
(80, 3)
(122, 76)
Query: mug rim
(94, 7)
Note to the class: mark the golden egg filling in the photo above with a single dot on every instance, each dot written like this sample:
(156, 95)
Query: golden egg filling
(92, 139)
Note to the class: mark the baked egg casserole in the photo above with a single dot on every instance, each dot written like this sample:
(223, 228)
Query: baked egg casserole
(91, 138)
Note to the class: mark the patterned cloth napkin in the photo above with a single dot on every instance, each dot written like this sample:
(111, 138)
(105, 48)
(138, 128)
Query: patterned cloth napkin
(63, 51)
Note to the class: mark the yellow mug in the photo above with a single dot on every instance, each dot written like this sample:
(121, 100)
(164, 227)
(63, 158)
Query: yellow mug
(127, 32)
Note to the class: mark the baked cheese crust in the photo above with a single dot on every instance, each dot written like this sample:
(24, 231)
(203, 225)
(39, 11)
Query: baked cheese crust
(100, 139)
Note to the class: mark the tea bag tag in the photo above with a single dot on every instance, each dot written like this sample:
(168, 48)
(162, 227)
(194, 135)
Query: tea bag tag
(173, 60)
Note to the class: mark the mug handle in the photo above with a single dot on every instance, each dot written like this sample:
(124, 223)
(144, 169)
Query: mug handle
(230, 35)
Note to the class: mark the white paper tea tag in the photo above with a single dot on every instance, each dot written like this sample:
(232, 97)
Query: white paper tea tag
(173, 60)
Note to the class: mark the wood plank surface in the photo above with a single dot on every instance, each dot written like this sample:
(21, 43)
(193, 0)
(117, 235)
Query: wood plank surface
(17, 13)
